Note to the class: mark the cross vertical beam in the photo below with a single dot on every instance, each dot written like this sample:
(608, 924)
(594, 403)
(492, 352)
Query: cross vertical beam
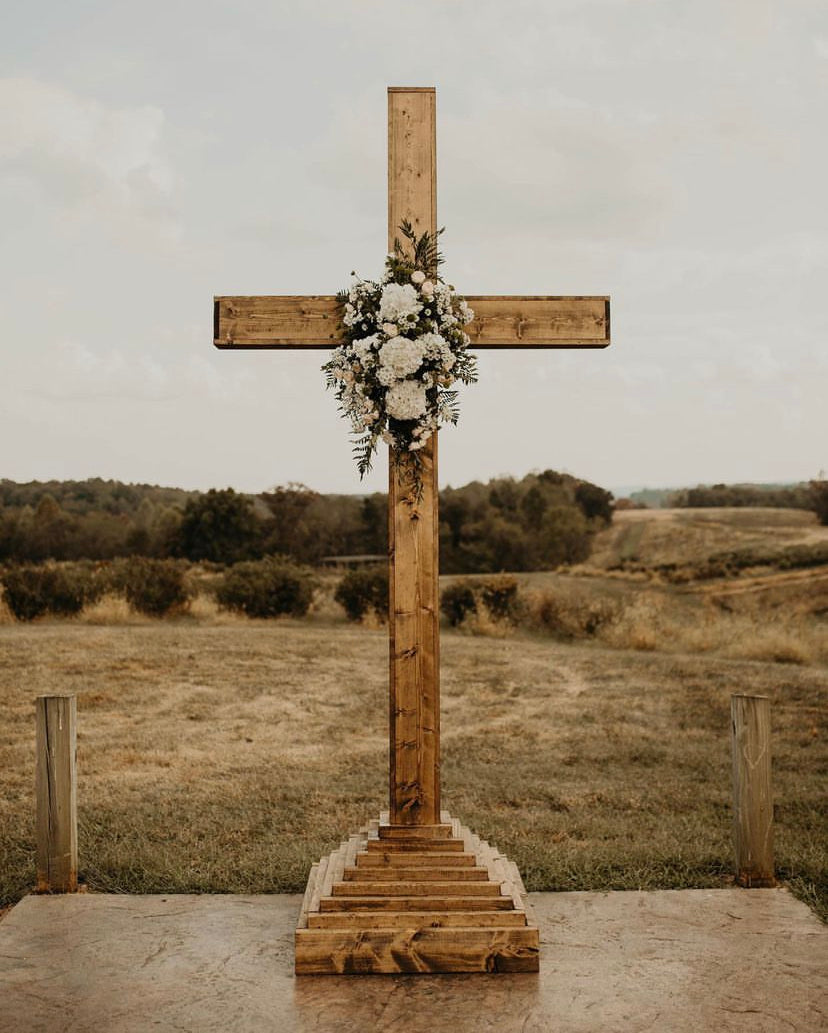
(414, 633)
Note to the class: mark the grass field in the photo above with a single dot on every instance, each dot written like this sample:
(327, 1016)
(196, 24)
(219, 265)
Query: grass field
(588, 738)
(227, 755)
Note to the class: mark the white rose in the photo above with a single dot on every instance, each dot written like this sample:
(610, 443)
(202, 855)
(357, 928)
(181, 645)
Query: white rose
(417, 276)
(390, 329)
(427, 289)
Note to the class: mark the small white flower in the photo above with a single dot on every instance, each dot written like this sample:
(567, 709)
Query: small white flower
(417, 276)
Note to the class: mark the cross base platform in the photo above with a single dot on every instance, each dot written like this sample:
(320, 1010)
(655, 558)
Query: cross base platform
(406, 899)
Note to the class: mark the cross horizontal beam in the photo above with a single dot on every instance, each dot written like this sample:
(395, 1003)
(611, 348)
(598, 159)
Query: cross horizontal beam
(500, 321)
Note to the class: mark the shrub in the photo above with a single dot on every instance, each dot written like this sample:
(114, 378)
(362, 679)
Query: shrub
(30, 592)
(154, 587)
(457, 601)
(570, 616)
(267, 588)
(499, 595)
(362, 590)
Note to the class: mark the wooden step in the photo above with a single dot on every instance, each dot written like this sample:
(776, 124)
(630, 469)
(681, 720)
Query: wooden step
(424, 873)
(408, 859)
(415, 844)
(415, 889)
(438, 900)
(415, 919)
(332, 951)
(415, 831)
(416, 903)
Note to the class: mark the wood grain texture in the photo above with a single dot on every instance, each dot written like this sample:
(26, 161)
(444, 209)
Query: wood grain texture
(332, 952)
(412, 160)
(414, 873)
(752, 792)
(415, 919)
(501, 321)
(414, 644)
(447, 859)
(539, 322)
(56, 795)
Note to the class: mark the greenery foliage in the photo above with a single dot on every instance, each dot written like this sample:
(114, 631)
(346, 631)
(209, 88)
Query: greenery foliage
(361, 591)
(271, 587)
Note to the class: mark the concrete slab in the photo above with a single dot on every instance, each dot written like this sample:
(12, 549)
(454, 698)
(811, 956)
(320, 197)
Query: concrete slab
(729, 961)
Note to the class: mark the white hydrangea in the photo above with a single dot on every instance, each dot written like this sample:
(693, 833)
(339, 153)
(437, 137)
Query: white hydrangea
(400, 357)
(406, 400)
(398, 301)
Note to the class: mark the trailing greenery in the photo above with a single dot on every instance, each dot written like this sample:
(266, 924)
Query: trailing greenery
(271, 587)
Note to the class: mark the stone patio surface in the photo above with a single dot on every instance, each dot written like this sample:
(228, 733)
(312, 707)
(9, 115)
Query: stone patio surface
(753, 961)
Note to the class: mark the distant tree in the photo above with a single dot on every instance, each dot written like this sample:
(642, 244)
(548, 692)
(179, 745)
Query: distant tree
(374, 519)
(534, 504)
(220, 526)
(818, 494)
(595, 503)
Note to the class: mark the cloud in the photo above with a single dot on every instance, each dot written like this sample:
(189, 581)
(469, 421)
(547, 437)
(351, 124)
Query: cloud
(83, 155)
(72, 371)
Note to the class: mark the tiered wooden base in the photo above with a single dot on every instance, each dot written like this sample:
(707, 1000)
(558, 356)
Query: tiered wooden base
(433, 898)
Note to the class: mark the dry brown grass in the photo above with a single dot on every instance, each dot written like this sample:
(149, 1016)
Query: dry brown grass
(686, 536)
(221, 758)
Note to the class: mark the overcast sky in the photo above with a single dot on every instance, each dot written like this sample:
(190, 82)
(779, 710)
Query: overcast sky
(671, 154)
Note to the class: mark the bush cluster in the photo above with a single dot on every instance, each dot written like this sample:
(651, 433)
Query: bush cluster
(361, 591)
(155, 587)
(497, 595)
(270, 587)
(457, 601)
(31, 592)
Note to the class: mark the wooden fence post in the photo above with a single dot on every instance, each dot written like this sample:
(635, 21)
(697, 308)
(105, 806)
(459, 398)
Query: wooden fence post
(752, 795)
(56, 794)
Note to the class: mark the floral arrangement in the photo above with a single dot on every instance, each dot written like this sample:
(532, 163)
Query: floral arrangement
(403, 347)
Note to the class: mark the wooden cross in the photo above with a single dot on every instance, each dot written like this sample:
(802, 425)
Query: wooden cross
(414, 712)
(499, 322)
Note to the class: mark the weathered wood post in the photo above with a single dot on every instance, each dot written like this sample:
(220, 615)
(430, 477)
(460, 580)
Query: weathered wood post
(752, 795)
(56, 795)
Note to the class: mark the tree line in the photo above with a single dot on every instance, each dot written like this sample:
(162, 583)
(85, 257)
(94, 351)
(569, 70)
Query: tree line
(541, 521)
